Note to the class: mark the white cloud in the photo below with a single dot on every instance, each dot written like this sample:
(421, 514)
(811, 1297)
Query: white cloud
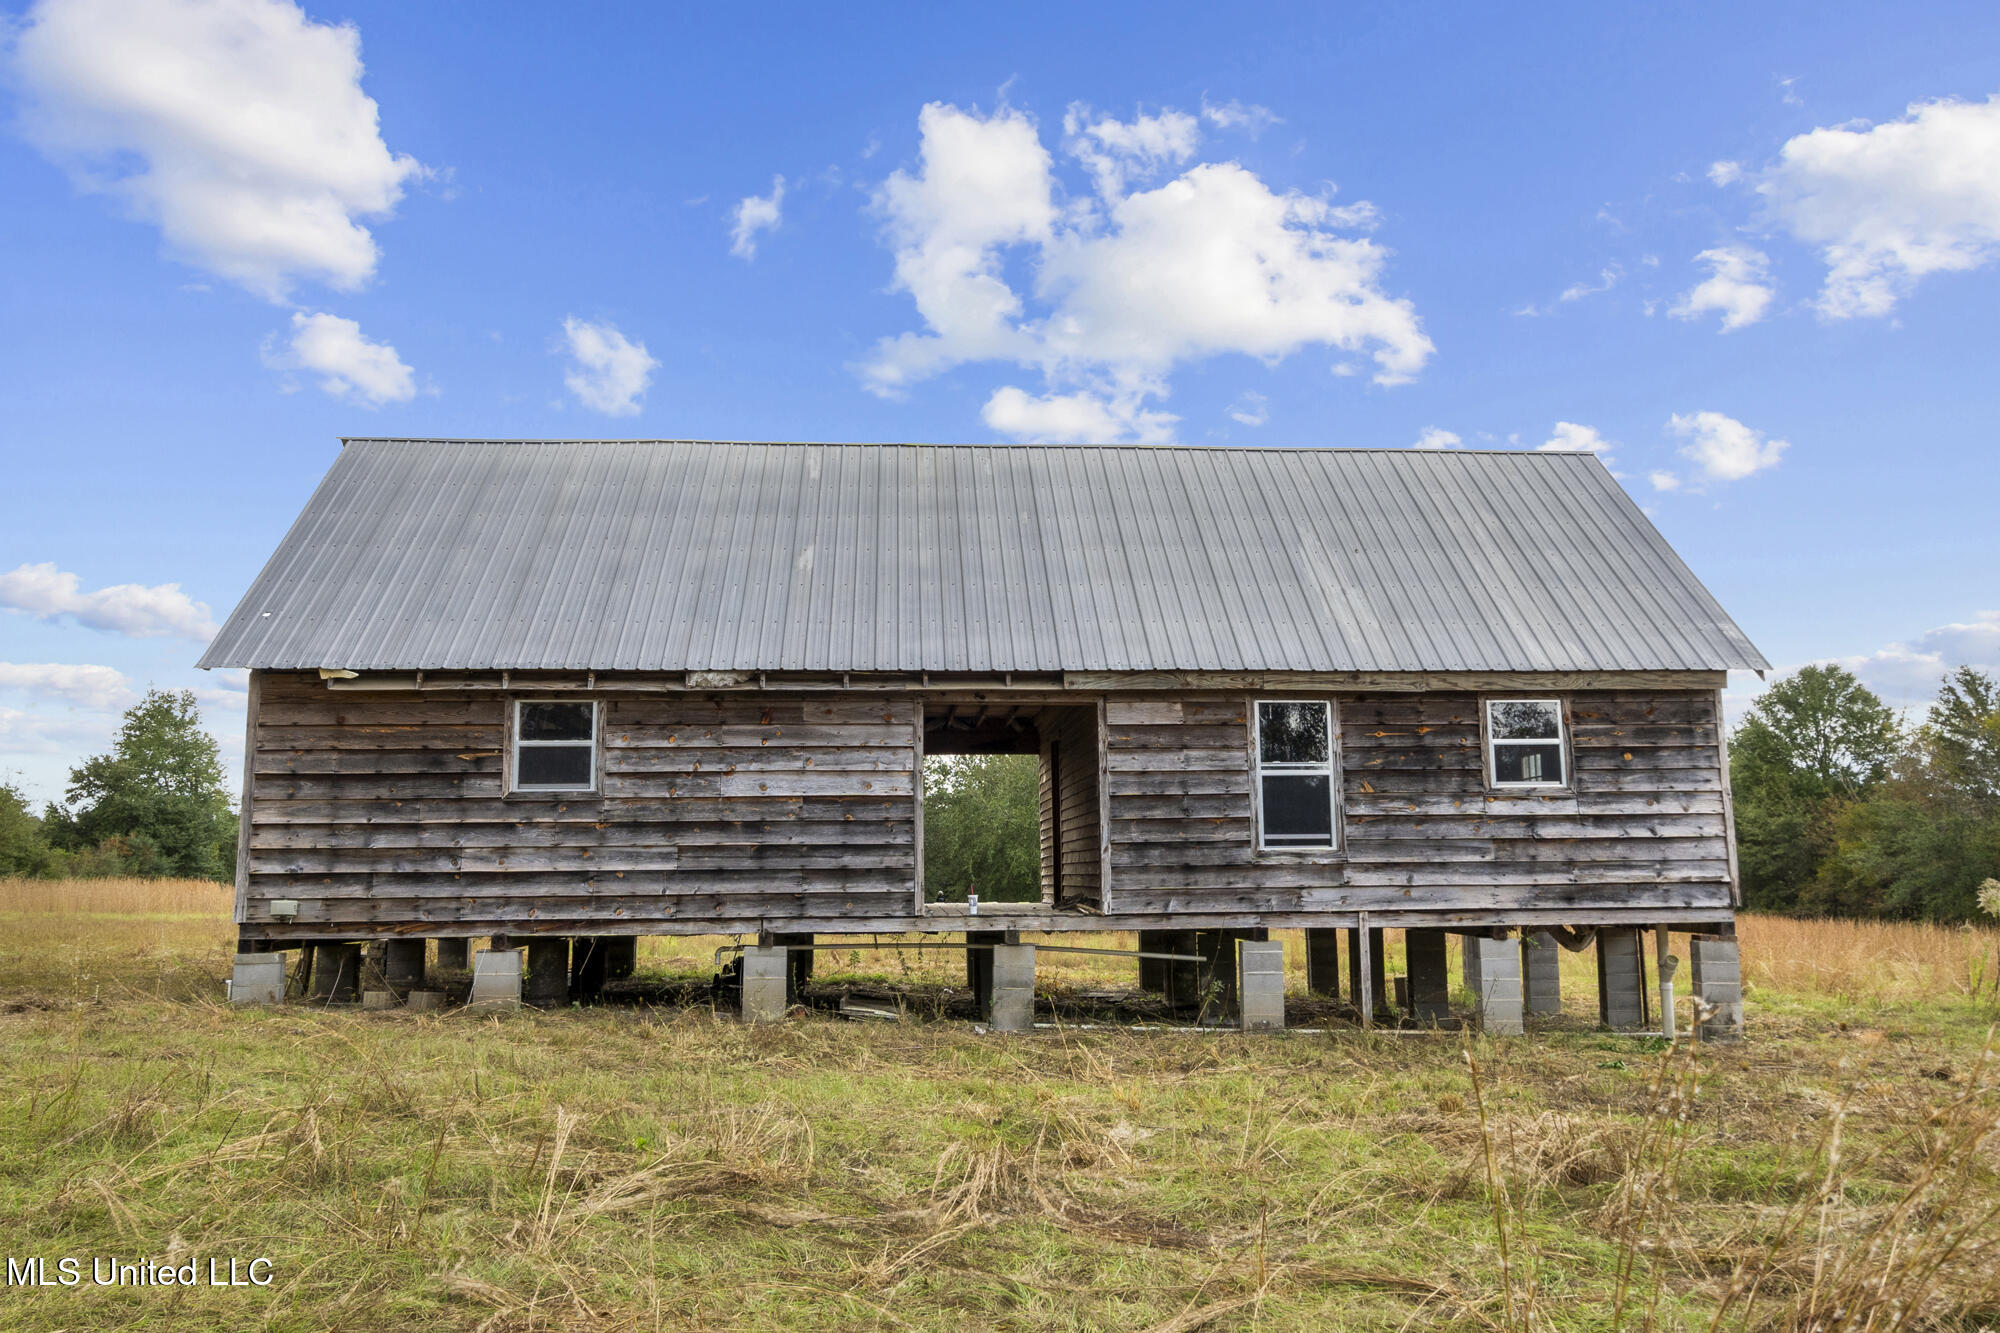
(97, 687)
(608, 372)
(1888, 204)
(1235, 115)
(26, 733)
(1075, 418)
(1724, 448)
(1607, 278)
(1907, 674)
(1436, 437)
(1117, 152)
(1664, 481)
(1250, 409)
(754, 214)
(1568, 437)
(163, 611)
(349, 366)
(1738, 285)
(1128, 285)
(237, 126)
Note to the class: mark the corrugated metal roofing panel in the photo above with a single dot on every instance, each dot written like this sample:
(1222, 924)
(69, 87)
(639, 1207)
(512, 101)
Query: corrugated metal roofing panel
(677, 555)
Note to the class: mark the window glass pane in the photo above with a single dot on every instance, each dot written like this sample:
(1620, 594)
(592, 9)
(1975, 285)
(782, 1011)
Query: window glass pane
(554, 766)
(1529, 719)
(1298, 808)
(1528, 763)
(555, 722)
(1292, 733)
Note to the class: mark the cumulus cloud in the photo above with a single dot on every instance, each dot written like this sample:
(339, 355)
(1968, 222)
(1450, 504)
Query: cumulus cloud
(608, 372)
(28, 733)
(1570, 438)
(97, 687)
(1738, 285)
(1436, 437)
(348, 365)
(1075, 418)
(1128, 282)
(1664, 481)
(238, 127)
(1723, 448)
(1907, 674)
(754, 214)
(1887, 204)
(162, 611)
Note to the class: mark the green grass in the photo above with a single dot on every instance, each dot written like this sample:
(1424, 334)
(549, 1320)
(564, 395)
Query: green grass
(638, 1169)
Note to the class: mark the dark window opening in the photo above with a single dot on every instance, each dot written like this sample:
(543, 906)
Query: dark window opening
(555, 746)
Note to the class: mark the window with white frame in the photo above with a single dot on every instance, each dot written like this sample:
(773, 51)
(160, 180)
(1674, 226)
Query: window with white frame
(555, 746)
(1295, 777)
(1524, 743)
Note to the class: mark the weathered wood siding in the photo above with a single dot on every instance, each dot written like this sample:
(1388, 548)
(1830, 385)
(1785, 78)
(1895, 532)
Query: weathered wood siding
(1070, 808)
(1642, 824)
(376, 809)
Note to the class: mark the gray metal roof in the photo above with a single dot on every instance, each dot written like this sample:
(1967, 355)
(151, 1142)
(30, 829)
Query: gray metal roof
(671, 555)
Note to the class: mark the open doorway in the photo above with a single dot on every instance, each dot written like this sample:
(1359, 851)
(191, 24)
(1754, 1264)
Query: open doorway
(1011, 804)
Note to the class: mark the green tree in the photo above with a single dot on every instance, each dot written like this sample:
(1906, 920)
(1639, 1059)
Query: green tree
(1816, 741)
(23, 849)
(982, 827)
(156, 803)
(1962, 735)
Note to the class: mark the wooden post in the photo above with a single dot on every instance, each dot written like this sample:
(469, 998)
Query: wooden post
(798, 963)
(1667, 964)
(1367, 947)
(547, 982)
(336, 974)
(621, 956)
(403, 965)
(979, 966)
(1430, 976)
(1183, 980)
(1322, 960)
(1153, 971)
(586, 968)
(1216, 975)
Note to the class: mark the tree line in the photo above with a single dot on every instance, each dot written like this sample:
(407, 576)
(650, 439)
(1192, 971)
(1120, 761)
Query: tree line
(154, 806)
(1842, 810)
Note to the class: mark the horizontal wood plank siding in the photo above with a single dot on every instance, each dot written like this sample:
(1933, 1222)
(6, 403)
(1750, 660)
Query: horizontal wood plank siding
(1642, 822)
(379, 810)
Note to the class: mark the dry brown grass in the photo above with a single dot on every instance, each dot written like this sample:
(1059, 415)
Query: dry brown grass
(630, 1169)
(1872, 962)
(116, 897)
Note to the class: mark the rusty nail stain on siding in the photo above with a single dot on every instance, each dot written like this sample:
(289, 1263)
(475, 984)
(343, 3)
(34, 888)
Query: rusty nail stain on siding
(1628, 754)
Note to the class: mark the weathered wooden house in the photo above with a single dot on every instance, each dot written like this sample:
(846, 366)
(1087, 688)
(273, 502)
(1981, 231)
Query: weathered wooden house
(597, 690)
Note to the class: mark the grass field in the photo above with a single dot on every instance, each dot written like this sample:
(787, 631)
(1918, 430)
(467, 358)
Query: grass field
(630, 1168)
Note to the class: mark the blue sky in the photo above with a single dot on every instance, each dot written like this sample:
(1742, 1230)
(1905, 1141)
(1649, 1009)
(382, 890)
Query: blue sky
(1751, 254)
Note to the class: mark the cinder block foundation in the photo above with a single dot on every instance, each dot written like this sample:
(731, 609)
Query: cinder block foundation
(378, 999)
(1541, 973)
(1261, 985)
(496, 979)
(1621, 979)
(1717, 974)
(258, 978)
(424, 1001)
(1493, 975)
(764, 981)
(1012, 1004)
